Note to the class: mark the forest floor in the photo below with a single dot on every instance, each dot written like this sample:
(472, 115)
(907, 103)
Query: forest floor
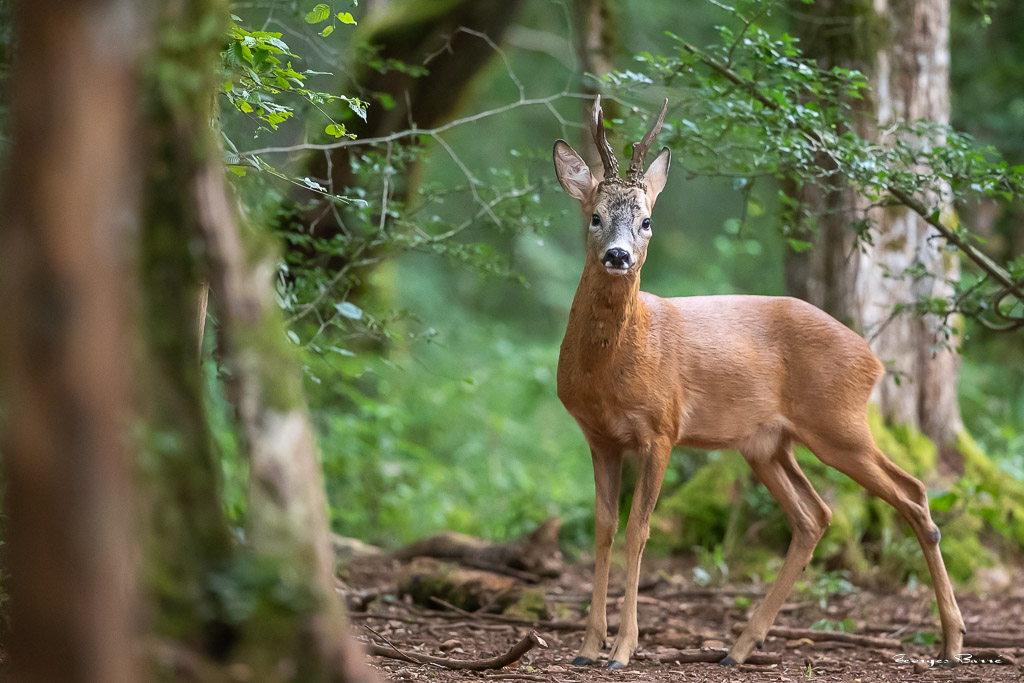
(676, 615)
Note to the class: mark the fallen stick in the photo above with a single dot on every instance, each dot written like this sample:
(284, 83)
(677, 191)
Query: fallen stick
(834, 636)
(992, 640)
(531, 641)
(713, 655)
(501, 618)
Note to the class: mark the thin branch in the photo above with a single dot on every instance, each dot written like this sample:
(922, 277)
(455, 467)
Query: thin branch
(531, 641)
(399, 135)
(952, 236)
(830, 636)
(713, 655)
(447, 47)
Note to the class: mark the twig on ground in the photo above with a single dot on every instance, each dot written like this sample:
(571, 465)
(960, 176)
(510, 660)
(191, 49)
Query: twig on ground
(994, 640)
(835, 636)
(398, 654)
(528, 577)
(458, 610)
(531, 641)
(715, 655)
(536, 623)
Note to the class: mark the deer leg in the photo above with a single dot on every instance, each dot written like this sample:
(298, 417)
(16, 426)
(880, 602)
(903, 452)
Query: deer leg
(809, 516)
(862, 461)
(652, 462)
(607, 475)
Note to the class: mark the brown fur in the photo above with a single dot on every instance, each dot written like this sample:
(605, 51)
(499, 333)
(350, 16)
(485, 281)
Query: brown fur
(757, 374)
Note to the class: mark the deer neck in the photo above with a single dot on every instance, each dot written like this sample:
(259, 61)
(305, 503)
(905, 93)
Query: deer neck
(607, 318)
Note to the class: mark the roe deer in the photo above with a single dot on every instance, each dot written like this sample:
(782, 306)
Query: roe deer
(753, 373)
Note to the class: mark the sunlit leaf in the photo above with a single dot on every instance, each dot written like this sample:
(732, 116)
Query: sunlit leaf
(319, 13)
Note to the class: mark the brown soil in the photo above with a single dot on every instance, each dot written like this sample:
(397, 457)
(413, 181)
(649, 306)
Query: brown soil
(676, 614)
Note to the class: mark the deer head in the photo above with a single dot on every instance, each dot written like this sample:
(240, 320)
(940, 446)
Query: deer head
(617, 209)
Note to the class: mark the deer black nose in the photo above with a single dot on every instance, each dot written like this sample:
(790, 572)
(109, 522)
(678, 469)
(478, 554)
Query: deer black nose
(616, 258)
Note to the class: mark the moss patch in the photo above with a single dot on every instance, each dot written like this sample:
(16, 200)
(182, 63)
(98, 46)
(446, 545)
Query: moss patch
(697, 513)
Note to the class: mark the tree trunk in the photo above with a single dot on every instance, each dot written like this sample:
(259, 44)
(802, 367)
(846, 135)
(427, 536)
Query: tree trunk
(595, 50)
(70, 209)
(188, 540)
(903, 48)
(288, 508)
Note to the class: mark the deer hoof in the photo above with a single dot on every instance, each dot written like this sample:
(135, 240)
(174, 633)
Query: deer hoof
(614, 664)
(582, 661)
(728, 661)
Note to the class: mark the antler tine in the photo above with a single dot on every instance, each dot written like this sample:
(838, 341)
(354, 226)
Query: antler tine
(636, 164)
(608, 160)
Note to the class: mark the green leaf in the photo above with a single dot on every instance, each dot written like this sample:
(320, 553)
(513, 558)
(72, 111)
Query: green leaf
(328, 30)
(237, 170)
(943, 501)
(335, 129)
(318, 13)
(798, 246)
(346, 18)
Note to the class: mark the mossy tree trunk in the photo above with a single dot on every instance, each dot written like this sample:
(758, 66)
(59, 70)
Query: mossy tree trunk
(191, 236)
(70, 208)
(903, 48)
(188, 539)
(287, 508)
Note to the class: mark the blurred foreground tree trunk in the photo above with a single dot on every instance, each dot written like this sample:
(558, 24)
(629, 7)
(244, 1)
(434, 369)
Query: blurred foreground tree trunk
(902, 46)
(70, 210)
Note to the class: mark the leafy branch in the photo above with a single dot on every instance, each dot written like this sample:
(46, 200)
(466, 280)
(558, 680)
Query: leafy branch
(758, 107)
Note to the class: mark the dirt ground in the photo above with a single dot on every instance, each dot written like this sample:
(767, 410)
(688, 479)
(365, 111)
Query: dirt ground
(675, 614)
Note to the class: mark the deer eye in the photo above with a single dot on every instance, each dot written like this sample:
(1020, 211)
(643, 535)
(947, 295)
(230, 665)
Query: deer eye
(595, 220)
(646, 224)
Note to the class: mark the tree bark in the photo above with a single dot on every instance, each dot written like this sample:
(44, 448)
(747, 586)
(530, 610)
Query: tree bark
(187, 538)
(903, 48)
(70, 211)
(595, 51)
(288, 508)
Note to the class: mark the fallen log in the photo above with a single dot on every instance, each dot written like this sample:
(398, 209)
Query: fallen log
(428, 581)
(529, 558)
(531, 641)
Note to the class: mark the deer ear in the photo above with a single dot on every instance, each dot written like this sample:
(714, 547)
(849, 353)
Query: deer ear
(657, 174)
(573, 174)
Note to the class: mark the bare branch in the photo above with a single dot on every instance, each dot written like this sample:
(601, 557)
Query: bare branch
(528, 643)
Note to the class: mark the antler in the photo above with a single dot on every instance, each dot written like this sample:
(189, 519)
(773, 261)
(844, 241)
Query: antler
(608, 160)
(636, 164)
